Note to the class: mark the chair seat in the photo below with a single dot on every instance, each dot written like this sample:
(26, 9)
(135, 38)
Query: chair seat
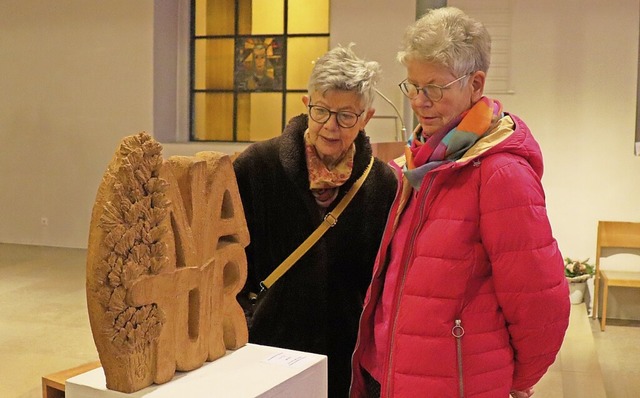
(623, 236)
(621, 278)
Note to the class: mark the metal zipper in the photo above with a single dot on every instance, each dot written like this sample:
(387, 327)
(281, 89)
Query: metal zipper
(401, 288)
(378, 270)
(458, 331)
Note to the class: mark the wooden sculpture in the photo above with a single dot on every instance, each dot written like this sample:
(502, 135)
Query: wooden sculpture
(164, 264)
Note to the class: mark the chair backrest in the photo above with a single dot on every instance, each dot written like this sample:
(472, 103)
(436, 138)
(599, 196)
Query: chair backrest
(617, 234)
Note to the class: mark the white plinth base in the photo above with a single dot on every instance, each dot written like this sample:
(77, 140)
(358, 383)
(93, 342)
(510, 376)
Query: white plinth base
(251, 371)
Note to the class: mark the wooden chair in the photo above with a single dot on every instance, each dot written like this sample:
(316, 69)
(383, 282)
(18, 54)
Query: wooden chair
(624, 236)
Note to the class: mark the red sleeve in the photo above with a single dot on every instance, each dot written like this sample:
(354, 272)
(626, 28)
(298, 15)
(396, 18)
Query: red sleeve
(527, 266)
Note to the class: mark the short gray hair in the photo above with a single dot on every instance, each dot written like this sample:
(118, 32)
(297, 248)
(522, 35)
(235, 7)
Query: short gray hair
(448, 37)
(341, 69)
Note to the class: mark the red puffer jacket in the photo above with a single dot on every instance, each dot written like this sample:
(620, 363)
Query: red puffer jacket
(480, 252)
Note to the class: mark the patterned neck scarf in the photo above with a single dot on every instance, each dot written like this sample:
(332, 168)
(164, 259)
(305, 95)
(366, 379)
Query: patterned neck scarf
(426, 153)
(323, 182)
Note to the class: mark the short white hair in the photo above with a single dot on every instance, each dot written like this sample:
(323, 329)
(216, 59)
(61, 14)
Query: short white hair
(448, 37)
(341, 69)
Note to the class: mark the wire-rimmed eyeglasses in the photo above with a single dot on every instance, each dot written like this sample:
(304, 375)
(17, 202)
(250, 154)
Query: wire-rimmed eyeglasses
(345, 119)
(432, 91)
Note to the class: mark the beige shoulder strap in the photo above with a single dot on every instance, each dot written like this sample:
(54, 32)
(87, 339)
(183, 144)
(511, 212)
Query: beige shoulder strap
(330, 220)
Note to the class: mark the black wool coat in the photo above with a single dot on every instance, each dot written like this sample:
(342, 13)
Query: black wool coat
(316, 305)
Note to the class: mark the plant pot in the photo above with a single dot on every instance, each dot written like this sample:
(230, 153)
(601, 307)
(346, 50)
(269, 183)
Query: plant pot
(577, 291)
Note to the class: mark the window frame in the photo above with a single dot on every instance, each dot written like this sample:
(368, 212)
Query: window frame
(283, 91)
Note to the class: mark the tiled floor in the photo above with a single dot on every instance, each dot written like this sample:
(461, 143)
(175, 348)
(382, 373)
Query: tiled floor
(44, 328)
(619, 355)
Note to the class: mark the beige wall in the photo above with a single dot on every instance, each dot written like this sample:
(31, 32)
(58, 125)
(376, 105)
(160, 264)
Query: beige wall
(575, 73)
(76, 76)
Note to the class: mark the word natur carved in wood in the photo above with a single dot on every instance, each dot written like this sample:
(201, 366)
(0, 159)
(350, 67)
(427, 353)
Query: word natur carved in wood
(164, 264)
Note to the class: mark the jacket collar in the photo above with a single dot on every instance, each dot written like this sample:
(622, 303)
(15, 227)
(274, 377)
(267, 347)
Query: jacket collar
(292, 156)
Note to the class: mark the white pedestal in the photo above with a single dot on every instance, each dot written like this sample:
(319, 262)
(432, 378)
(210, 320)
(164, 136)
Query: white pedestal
(251, 371)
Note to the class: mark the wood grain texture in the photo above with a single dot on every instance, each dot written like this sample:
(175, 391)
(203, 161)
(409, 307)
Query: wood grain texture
(165, 261)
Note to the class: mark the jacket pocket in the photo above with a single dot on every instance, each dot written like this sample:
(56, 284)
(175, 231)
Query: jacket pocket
(458, 331)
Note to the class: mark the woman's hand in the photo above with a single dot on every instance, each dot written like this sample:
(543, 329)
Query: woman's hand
(522, 394)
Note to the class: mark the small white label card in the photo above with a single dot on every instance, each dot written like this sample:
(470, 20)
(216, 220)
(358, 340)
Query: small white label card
(288, 359)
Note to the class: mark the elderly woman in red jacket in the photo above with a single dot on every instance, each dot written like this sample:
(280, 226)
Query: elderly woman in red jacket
(468, 297)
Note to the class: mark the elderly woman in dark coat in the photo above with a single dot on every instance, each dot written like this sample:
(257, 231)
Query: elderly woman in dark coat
(288, 184)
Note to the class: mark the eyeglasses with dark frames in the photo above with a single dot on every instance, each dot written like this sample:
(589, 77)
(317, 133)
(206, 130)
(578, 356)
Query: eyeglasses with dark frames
(345, 119)
(432, 91)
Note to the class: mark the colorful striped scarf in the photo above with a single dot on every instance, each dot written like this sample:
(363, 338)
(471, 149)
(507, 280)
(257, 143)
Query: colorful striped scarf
(448, 145)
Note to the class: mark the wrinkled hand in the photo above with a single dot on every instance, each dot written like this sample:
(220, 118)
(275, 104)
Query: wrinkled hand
(522, 394)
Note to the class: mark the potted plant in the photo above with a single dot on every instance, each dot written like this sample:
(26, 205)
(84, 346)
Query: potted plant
(577, 273)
